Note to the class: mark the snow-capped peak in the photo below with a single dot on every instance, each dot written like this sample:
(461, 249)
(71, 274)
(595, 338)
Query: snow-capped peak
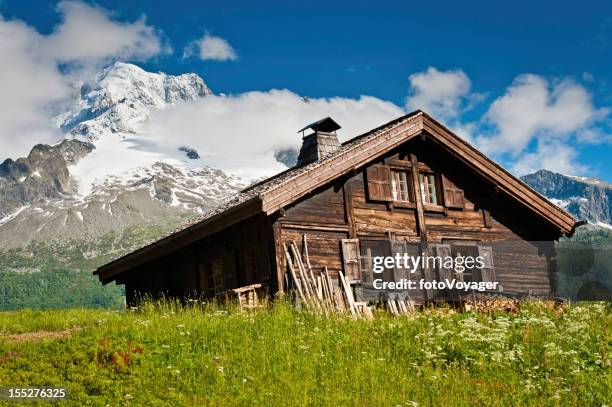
(106, 174)
(120, 98)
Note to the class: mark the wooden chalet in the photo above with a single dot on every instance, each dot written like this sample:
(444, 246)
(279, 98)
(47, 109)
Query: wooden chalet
(408, 186)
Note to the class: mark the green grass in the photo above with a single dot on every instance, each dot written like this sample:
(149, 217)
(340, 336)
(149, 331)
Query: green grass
(170, 355)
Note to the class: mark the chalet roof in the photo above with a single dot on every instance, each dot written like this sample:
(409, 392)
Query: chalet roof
(278, 191)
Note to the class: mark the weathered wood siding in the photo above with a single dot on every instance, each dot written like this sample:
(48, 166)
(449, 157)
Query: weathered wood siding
(344, 210)
(251, 251)
(243, 252)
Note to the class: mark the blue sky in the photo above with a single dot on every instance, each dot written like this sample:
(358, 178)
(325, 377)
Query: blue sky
(497, 59)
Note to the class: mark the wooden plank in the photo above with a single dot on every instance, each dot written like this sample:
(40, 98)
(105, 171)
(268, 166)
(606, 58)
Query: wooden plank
(416, 187)
(486, 218)
(347, 292)
(347, 190)
(306, 225)
(294, 276)
(280, 270)
(307, 283)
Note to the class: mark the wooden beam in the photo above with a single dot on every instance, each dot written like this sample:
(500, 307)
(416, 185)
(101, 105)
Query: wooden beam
(486, 217)
(347, 190)
(306, 225)
(416, 187)
(279, 251)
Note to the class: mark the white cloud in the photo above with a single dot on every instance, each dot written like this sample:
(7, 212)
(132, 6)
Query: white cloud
(30, 79)
(441, 93)
(89, 33)
(594, 135)
(240, 133)
(30, 82)
(554, 156)
(211, 47)
(533, 107)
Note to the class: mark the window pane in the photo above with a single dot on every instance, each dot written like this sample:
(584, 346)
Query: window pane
(428, 189)
(404, 186)
(394, 186)
(423, 182)
(432, 190)
(399, 186)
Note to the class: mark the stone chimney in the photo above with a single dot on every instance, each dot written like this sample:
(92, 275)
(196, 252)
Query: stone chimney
(319, 144)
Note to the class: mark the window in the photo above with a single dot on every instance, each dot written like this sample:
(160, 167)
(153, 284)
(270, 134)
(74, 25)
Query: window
(486, 273)
(429, 188)
(368, 250)
(400, 186)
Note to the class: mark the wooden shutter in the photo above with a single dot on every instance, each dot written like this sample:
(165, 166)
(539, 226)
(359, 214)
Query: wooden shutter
(379, 183)
(428, 275)
(350, 259)
(443, 251)
(487, 272)
(453, 196)
(367, 275)
(398, 247)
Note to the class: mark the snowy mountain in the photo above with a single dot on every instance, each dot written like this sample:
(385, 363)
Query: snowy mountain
(103, 177)
(585, 198)
(120, 99)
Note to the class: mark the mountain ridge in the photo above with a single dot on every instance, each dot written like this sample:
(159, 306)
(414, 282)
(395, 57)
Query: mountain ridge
(584, 198)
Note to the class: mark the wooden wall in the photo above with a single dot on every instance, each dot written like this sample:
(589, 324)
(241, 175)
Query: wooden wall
(252, 251)
(344, 210)
(244, 253)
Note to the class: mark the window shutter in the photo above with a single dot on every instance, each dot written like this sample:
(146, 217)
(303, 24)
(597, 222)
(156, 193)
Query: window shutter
(453, 196)
(487, 272)
(398, 247)
(379, 183)
(443, 251)
(350, 258)
(428, 275)
(367, 274)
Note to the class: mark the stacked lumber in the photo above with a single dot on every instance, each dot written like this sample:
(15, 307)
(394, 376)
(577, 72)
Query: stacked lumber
(319, 293)
(398, 306)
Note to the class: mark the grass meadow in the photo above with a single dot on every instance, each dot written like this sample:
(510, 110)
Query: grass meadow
(166, 354)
